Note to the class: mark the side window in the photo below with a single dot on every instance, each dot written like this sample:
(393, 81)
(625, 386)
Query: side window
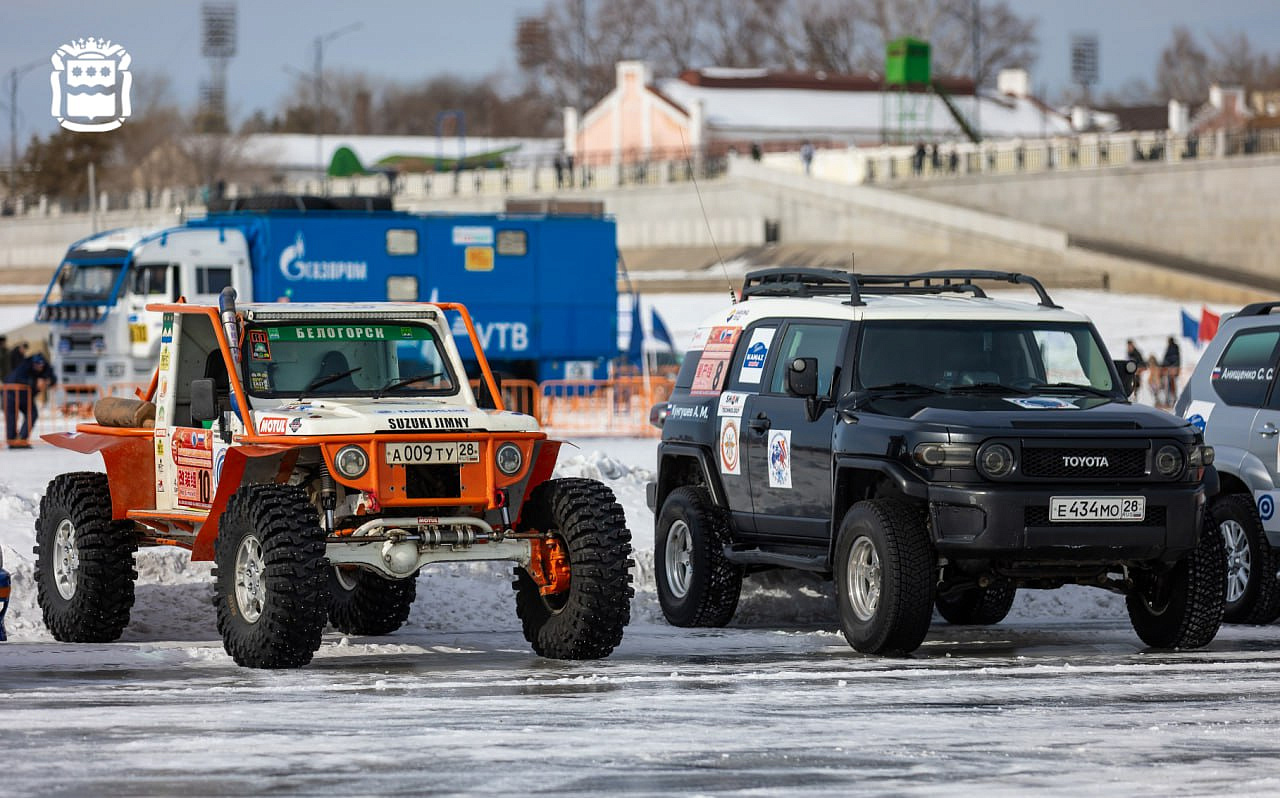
(1247, 365)
(212, 279)
(746, 369)
(402, 288)
(821, 341)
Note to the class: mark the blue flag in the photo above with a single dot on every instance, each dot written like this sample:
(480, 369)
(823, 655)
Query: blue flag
(660, 331)
(635, 347)
(1190, 327)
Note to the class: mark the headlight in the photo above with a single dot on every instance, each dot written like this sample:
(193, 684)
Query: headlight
(351, 461)
(945, 455)
(1168, 461)
(995, 460)
(509, 459)
(1201, 455)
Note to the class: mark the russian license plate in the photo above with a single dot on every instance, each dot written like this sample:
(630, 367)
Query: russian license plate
(421, 453)
(1097, 508)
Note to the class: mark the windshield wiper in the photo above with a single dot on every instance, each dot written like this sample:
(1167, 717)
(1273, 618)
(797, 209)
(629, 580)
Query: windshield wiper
(903, 388)
(320, 382)
(988, 387)
(403, 381)
(1074, 386)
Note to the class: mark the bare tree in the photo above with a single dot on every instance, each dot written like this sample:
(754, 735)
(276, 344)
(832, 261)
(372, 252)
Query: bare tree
(1183, 72)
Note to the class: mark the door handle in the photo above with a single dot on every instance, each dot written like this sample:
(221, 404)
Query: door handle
(1268, 429)
(760, 424)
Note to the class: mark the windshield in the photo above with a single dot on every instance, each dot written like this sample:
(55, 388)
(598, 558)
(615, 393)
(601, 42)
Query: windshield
(324, 359)
(85, 282)
(950, 356)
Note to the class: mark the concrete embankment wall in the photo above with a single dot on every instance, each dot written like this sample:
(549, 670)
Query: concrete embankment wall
(1224, 212)
(1219, 213)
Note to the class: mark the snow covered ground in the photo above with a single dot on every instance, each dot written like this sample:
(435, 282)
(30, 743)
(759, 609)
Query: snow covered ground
(1061, 698)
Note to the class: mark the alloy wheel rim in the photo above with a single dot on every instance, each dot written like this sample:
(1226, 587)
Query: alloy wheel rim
(1239, 559)
(251, 589)
(863, 579)
(66, 559)
(679, 559)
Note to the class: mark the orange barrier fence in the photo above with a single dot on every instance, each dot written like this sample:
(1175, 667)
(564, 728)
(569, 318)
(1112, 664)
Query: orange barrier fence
(18, 408)
(618, 407)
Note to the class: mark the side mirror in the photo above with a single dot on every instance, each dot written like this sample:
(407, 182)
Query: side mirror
(203, 405)
(483, 397)
(658, 414)
(1128, 375)
(802, 377)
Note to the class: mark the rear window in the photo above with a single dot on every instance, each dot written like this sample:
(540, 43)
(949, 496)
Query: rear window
(1245, 370)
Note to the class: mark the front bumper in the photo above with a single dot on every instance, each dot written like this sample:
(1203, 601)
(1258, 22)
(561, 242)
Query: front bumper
(1011, 522)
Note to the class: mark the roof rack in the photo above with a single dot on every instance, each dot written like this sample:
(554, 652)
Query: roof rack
(806, 282)
(1258, 309)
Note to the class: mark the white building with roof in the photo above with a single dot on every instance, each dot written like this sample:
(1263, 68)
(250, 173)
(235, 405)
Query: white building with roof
(712, 110)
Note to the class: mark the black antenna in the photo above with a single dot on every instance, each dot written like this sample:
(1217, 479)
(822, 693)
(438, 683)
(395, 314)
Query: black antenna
(693, 177)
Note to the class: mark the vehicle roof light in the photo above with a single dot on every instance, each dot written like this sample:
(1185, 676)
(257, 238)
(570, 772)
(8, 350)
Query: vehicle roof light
(338, 314)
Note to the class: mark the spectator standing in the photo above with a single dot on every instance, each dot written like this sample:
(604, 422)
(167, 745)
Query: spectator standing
(33, 373)
(1134, 354)
(806, 155)
(559, 166)
(16, 356)
(4, 353)
(1171, 366)
(917, 160)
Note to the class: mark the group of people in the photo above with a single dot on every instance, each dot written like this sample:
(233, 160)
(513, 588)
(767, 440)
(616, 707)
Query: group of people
(26, 375)
(1161, 375)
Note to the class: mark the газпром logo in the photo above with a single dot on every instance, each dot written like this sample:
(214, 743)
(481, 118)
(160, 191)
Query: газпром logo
(91, 83)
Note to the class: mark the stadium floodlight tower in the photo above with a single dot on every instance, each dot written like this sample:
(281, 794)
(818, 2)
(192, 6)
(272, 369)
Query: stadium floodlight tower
(906, 104)
(218, 21)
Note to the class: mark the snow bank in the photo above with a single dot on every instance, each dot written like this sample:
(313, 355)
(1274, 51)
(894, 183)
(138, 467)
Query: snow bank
(174, 595)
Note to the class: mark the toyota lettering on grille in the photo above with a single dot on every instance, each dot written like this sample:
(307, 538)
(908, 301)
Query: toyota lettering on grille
(1084, 461)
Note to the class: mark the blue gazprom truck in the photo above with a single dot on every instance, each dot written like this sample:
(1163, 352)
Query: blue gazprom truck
(540, 280)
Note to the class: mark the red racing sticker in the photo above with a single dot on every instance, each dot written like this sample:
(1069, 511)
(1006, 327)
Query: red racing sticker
(271, 425)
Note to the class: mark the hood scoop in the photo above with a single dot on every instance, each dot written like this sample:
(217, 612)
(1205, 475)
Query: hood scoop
(1047, 424)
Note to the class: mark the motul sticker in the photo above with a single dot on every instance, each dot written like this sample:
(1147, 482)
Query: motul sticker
(272, 426)
(730, 461)
(779, 453)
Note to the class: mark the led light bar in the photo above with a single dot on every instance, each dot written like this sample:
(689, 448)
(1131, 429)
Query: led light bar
(339, 315)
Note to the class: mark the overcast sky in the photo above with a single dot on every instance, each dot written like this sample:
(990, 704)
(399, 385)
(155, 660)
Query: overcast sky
(412, 39)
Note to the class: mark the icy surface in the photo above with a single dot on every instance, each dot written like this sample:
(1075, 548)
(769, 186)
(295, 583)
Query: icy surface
(1061, 698)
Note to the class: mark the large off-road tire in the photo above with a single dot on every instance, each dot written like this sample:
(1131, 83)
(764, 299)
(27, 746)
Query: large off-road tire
(1253, 593)
(84, 561)
(586, 620)
(364, 603)
(697, 585)
(885, 572)
(271, 590)
(979, 606)
(1182, 607)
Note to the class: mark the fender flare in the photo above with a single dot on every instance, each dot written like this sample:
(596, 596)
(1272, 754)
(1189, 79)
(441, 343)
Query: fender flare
(710, 475)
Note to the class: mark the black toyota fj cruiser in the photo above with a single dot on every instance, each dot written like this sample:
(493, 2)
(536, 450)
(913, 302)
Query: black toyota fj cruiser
(925, 445)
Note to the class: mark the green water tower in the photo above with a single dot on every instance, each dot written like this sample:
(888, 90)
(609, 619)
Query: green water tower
(906, 105)
(907, 62)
